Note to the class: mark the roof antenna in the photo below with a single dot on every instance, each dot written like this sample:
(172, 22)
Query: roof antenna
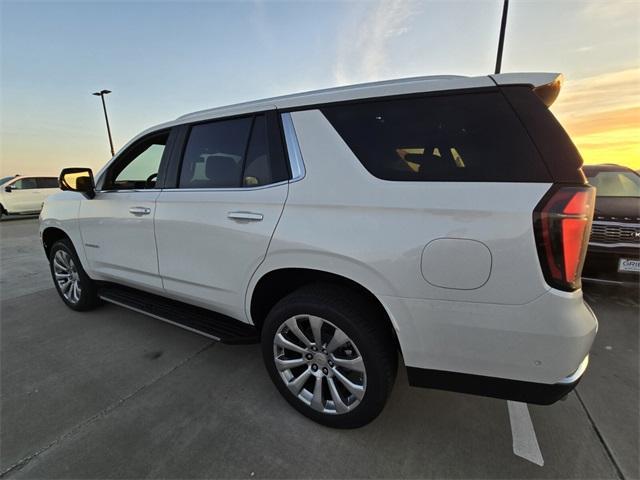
(503, 27)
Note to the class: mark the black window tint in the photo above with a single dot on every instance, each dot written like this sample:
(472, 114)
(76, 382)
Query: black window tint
(560, 155)
(214, 155)
(465, 137)
(25, 184)
(47, 182)
(257, 169)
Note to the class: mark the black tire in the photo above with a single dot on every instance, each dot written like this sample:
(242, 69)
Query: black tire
(88, 294)
(362, 323)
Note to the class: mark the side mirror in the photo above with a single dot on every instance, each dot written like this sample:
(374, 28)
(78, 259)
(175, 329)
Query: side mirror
(8, 189)
(78, 180)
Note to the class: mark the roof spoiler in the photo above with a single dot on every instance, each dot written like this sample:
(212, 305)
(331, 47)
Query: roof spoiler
(545, 85)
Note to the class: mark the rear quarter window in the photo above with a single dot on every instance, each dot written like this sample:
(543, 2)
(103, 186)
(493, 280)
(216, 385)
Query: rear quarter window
(47, 182)
(460, 137)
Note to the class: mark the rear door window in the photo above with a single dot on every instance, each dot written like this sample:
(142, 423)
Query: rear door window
(463, 137)
(47, 182)
(214, 155)
(233, 153)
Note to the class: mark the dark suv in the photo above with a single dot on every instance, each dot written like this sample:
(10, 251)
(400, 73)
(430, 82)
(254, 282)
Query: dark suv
(614, 246)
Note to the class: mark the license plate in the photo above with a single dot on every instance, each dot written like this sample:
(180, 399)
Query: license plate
(627, 265)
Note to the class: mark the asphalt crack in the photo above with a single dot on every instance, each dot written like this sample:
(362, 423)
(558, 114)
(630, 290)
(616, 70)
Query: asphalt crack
(101, 414)
(606, 447)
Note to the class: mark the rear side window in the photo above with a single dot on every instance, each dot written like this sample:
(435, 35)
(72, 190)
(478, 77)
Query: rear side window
(230, 154)
(214, 154)
(465, 137)
(554, 144)
(47, 182)
(257, 170)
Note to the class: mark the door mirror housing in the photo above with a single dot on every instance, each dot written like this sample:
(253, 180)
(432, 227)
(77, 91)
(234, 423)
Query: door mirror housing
(78, 180)
(8, 189)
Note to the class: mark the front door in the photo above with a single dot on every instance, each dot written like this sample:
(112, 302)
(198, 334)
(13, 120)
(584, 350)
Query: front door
(214, 228)
(117, 225)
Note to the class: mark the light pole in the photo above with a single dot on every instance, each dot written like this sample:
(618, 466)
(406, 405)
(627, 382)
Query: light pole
(101, 94)
(503, 26)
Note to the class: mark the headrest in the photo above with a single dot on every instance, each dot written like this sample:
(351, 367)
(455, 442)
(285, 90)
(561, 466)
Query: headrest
(222, 171)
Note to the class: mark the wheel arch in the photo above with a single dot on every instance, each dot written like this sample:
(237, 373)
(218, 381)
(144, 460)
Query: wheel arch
(276, 284)
(51, 235)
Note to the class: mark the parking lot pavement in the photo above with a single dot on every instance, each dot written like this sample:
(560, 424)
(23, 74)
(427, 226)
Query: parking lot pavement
(23, 268)
(112, 393)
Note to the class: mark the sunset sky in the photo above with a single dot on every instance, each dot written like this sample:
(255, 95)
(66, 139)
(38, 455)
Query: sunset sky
(164, 59)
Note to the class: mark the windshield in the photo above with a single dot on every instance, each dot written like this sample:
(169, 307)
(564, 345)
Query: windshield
(616, 184)
(4, 180)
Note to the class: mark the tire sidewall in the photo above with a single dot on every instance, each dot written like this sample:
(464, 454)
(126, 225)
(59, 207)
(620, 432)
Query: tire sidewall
(377, 387)
(88, 294)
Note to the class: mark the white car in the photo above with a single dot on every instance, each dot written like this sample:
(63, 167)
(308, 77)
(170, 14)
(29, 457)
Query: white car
(442, 218)
(22, 194)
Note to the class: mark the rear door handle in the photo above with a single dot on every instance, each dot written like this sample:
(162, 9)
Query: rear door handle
(139, 210)
(245, 216)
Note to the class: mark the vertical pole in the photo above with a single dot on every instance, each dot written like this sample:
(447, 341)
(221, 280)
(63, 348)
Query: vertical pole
(106, 118)
(503, 27)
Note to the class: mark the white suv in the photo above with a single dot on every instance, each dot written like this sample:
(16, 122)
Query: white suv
(22, 194)
(445, 218)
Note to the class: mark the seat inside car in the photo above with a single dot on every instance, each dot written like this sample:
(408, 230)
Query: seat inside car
(221, 171)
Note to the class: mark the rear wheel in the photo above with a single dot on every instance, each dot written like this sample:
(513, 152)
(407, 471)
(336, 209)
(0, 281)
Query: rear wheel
(74, 286)
(330, 355)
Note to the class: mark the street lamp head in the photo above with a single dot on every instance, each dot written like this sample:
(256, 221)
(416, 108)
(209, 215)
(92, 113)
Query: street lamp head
(101, 93)
(104, 92)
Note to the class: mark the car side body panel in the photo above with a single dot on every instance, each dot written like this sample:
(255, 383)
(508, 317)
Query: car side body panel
(207, 252)
(119, 245)
(513, 325)
(60, 211)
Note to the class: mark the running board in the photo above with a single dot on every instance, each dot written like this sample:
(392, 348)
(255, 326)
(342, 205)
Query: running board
(199, 320)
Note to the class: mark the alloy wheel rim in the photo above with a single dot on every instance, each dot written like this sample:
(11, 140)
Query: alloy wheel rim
(320, 364)
(66, 276)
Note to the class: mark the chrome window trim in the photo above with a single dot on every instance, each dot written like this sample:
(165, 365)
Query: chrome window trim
(577, 374)
(224, 189)
(231, 189)
(129, 190)
(298, 171)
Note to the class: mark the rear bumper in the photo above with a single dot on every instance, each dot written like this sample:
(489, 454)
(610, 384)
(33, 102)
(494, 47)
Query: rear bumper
(504, 388)
(506, 351)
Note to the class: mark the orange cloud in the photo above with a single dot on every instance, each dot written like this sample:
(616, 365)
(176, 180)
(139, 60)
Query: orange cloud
(602, 115)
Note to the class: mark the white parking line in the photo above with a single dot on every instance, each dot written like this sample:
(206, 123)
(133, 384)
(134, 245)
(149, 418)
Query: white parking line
(525, 443)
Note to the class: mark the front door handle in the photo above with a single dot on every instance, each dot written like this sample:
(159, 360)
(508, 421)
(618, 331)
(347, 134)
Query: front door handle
(245, 216)
(139, 210)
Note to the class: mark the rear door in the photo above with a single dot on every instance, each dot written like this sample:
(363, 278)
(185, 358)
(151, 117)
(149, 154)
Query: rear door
(214, 226)
(24, 196)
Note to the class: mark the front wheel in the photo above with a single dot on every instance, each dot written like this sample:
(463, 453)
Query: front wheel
(74, 286)
(330, 355)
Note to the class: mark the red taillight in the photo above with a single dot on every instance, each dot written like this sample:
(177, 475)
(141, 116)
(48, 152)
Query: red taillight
(562, 224)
